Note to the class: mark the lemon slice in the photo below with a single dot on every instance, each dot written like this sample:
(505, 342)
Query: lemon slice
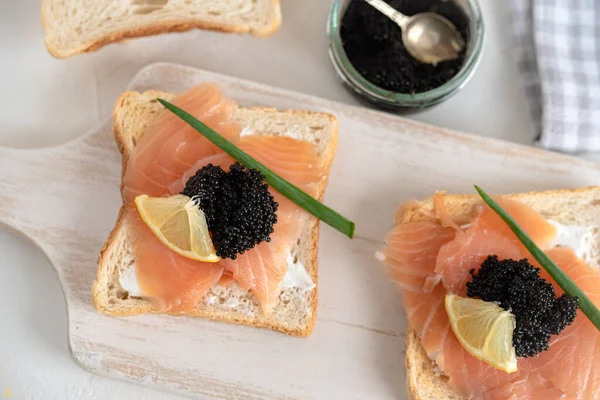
(484, 329)
(179, 224)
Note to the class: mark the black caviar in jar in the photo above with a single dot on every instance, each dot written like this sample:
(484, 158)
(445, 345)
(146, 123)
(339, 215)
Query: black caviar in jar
(373, 44)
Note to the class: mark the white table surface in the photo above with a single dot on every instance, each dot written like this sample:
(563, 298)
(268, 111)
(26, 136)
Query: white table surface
(47, 102)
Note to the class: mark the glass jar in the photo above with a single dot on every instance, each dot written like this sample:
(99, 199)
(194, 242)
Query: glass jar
(405, 101)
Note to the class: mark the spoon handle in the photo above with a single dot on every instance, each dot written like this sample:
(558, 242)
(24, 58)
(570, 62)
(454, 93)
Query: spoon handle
(390, 12)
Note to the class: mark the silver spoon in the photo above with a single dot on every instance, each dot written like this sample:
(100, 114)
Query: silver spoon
(428, 37)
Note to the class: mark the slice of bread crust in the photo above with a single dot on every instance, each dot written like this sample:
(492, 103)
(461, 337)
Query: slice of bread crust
(295, 312)
(79, 26)
(569, 207)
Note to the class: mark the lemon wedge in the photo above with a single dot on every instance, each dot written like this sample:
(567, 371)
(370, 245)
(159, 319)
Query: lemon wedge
(179, 224)
(484, 329)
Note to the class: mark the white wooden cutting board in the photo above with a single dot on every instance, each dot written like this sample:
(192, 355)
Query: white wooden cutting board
(66, 199)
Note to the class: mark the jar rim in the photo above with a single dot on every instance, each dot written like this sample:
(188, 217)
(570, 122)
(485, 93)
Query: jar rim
(421, 99)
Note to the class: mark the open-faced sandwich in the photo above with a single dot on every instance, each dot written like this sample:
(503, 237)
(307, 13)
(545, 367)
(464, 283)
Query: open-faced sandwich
(200, 234)
(492, 315)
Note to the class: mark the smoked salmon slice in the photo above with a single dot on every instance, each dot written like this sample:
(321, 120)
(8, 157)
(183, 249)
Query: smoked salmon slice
(172, 282)
(429, 259)
(169, 153)
(487, 235)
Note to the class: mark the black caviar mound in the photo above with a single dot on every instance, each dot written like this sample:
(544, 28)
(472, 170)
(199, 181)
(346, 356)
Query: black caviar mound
(240, 211)
(373, 44)
(517, 287)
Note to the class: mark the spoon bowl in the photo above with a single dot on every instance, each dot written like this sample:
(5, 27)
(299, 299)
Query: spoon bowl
(428, 37)
(431, 38)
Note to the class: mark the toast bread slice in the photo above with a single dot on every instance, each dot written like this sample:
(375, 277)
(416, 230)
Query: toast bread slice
(79, 26)
(568, 207)
(295, 312)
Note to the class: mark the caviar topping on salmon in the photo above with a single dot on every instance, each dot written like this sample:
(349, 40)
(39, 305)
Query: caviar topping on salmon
(239, 209)
(435, 256)
(518, 287)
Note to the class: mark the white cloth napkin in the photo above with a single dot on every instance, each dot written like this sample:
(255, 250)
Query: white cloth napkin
(558, 54)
